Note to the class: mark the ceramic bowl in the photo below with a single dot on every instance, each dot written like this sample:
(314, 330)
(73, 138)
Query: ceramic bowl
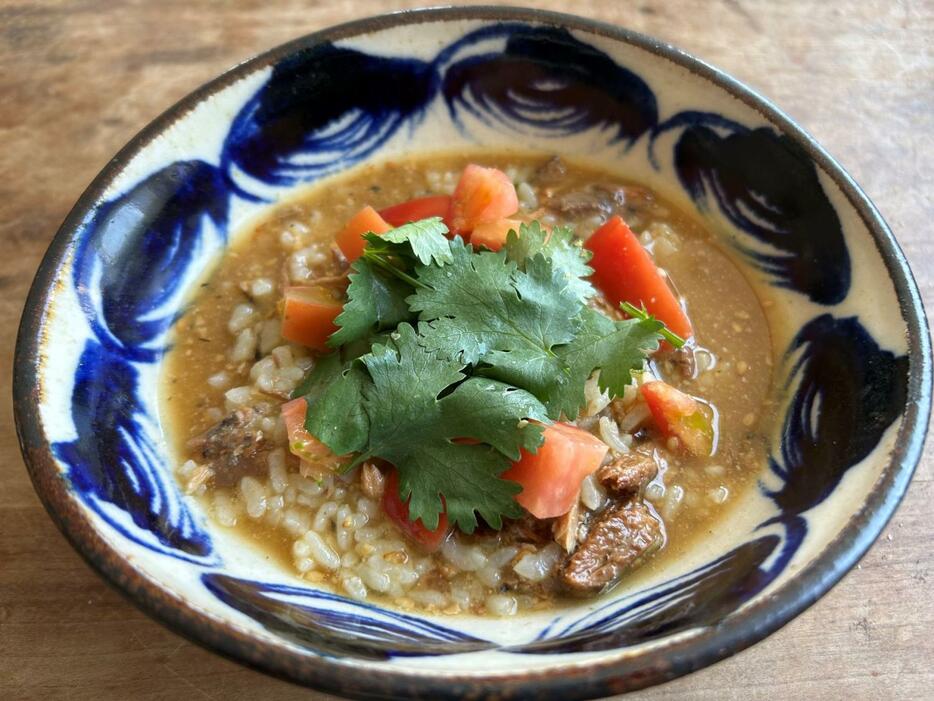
(853, 349)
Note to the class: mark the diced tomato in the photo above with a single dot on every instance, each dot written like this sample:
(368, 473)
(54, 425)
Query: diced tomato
(418, 209)
(493, 234)
(308, 316)
(350, 240)
(680, 415)
(398, 511)
(625, 272)
(301, 443)
(293, 414)
(551, 478)
(482, 195)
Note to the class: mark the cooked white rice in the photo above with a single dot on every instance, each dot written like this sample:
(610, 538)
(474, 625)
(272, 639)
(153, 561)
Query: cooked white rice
(336, 532)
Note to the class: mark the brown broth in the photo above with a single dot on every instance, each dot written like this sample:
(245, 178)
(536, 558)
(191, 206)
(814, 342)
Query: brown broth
(727, 315)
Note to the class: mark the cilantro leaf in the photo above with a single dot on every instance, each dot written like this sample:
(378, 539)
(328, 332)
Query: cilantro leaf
(417, 405)
(321, 375)
(486, 410)
(482, 307)
(560, 245)
(336, 416)
(426, 238)
(375, 301)
(616, 348)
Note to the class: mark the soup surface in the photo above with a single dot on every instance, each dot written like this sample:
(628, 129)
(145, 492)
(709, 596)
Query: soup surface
(230, 371)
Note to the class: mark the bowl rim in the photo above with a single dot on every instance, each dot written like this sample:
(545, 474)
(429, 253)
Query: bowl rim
(672, 658)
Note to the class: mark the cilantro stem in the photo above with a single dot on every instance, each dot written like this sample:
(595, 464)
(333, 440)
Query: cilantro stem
(381, 262)
(357, 461)
(669, 335)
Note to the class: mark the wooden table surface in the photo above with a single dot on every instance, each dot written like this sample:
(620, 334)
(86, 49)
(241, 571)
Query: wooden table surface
(78, 79)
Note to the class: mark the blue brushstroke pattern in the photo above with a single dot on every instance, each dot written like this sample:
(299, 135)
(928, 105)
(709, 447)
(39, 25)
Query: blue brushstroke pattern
(702, 597)
(337, 626)
(127, 272)
(135, 249)
(767, 186)
(849, 391)
(116, 461)
(323, 109)
(544, 81)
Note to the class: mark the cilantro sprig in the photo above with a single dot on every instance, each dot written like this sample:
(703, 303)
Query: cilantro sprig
(416, 419)
(637, 313)
(447, 360)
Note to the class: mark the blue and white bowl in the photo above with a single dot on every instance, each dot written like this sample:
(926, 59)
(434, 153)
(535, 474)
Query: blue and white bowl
(848, 325)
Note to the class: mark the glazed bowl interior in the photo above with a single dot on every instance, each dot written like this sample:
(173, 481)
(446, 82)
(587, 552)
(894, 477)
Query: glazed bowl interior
(846, 324)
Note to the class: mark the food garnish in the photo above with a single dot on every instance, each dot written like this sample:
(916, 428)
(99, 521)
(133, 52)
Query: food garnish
(441, 341)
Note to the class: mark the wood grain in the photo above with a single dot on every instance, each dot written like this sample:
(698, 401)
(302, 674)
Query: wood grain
(78, 79)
